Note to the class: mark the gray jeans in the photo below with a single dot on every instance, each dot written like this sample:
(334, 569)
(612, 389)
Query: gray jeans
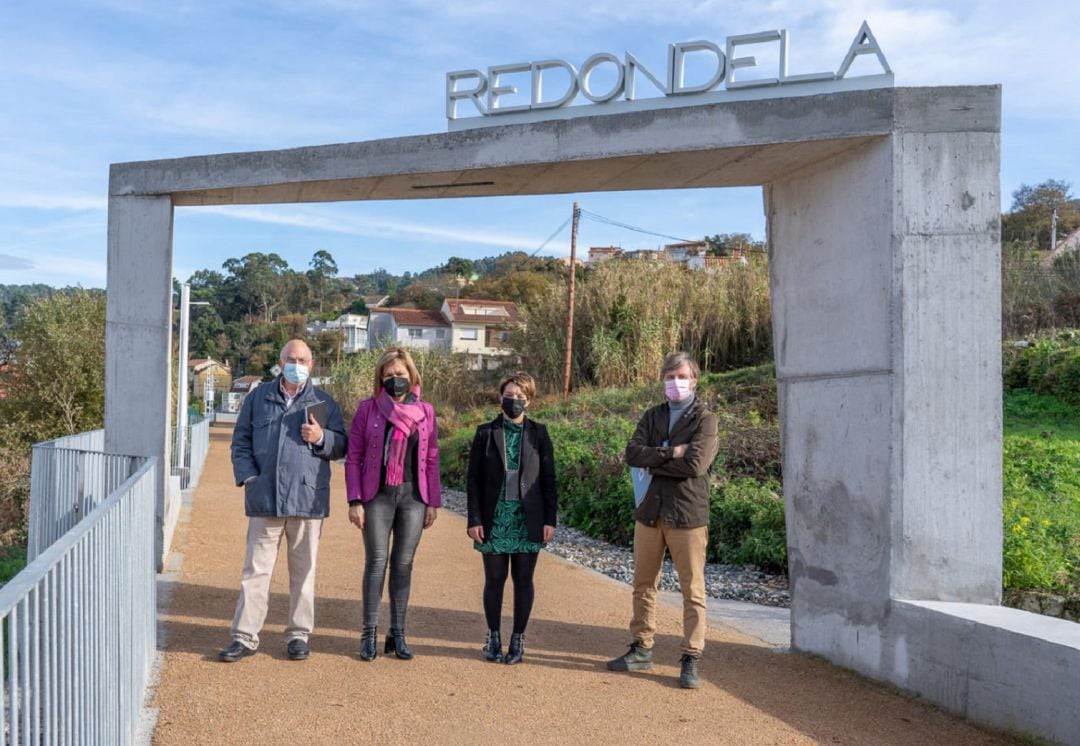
(398, 510)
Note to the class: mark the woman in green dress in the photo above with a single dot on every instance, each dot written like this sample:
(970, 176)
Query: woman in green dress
(512, 505)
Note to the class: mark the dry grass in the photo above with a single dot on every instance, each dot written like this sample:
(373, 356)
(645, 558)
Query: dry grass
(627, 315)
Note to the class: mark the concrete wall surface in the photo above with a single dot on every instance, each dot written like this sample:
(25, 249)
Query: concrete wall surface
(138, 330)
(1008, 668)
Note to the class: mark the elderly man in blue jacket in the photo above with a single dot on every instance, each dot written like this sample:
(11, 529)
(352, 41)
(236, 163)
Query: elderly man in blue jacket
(281, 456)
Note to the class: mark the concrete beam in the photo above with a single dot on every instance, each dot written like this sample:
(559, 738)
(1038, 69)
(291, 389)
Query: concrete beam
(727, 144)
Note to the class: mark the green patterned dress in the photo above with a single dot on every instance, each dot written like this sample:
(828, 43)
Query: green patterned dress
(509, 534)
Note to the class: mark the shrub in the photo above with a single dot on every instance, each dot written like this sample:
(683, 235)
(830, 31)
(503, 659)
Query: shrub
(746, 525)
(1041, 514)
(1050, 365)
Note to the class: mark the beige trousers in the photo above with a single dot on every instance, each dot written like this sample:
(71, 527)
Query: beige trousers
(687, 548)
(263, 538)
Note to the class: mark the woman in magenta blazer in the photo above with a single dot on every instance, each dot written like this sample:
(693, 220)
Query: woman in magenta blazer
(392, 483)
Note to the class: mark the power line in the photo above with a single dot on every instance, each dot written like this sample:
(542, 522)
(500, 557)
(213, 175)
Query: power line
(554, 233)
(617, 224)
(638, 229)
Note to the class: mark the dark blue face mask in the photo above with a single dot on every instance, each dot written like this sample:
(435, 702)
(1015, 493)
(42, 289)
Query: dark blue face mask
(512, 407)
(396, 386)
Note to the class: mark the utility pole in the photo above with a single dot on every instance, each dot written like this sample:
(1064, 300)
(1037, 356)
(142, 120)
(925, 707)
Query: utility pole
(570, 304)
(1053, 230)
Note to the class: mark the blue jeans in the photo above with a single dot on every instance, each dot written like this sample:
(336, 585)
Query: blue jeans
(399, 511)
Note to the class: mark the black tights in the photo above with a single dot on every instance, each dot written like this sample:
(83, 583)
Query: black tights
(496, 568)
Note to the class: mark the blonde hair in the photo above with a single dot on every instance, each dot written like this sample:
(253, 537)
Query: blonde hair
(391, 355)
(525, 382)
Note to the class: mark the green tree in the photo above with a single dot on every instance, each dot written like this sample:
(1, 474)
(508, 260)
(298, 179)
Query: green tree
(1031, 214)
(256, 282)
(56, 383)
(206, 285)
(524, 288)
(725, 244)
(458, 267)
(321, 275)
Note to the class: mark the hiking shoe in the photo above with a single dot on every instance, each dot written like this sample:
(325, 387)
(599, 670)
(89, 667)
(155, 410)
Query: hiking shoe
(688, 676)
(298, 649)
(637, 658)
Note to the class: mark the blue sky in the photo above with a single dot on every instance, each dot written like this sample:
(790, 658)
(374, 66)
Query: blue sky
(85, 84)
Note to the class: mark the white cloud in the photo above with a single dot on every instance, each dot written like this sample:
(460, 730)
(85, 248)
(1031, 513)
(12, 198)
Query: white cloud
(373, 227)
(44, 201)
(9, 262)
(58, 270)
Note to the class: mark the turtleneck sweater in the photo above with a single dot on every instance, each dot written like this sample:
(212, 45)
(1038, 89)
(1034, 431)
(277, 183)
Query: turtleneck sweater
(677, 409)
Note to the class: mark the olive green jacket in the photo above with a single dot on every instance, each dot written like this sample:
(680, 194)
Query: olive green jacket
(679, 491)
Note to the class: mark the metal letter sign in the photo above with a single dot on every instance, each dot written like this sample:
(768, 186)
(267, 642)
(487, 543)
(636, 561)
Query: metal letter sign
(497, 98)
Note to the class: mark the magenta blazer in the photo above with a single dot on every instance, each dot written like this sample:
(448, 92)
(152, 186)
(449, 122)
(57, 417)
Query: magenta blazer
(363, 459)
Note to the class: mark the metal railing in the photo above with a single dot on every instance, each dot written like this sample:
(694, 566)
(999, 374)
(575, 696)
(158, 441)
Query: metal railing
(69, 477)
(197, 443)
(79, 626)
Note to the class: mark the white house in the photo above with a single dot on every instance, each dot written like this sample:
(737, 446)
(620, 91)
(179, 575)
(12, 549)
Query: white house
(481, 328)
(691, 254)
(599, 254)
(352, 327)
(409, 327)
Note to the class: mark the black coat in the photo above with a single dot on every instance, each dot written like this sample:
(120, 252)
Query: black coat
(536, 474)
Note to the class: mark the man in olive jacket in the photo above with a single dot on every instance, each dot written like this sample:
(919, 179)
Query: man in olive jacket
(281, 456)
(677, 442)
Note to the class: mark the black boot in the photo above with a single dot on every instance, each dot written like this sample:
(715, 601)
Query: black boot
(368, 650)
(516, 650)
(395, 643)
(493, 646)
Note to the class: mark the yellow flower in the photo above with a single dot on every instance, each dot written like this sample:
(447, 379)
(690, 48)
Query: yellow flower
(1025, 520)
(1046, 523)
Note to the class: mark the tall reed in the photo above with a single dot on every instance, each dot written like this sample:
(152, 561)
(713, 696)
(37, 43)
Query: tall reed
(629, 314)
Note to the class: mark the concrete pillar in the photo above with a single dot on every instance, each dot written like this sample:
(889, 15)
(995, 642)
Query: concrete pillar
(138, 326)
(885, 291)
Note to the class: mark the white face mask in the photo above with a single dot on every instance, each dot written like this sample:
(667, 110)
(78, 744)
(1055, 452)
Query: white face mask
(678, 389)
(296, 373)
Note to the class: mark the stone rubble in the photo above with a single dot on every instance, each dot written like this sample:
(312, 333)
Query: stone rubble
(721, 581)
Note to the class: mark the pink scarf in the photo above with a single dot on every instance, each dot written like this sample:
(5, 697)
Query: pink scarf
(405, 418)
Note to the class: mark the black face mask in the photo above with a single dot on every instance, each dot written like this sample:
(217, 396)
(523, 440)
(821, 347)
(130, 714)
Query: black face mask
(513, 408)
(396, 386)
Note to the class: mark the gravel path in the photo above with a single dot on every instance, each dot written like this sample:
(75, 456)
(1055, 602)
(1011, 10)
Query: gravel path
(721, 581)
(561, 694)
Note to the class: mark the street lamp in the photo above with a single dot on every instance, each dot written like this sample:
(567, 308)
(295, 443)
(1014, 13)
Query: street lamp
(182, 385)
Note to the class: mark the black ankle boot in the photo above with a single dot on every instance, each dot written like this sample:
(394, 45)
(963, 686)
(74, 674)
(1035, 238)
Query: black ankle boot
(516, 650)
(395, 643)
(367, 644)
(493, 646)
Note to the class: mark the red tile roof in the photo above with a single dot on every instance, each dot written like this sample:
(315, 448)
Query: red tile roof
(413, 316)
(464, 309)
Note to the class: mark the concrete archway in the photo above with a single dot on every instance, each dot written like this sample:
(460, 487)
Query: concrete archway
(883, 229)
